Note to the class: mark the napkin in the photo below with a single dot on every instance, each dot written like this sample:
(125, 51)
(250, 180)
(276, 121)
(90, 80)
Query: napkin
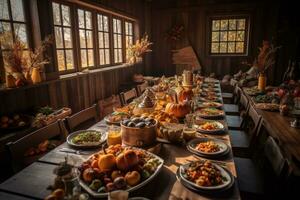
(118, 195)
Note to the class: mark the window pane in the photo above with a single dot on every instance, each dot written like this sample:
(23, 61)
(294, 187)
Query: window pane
(66, 15)
(105, 20)
(215, 47)
(232, 24)
(115, 41)
(231, 47)
(241, 24)
(17, 10)
(216, 25)
(69, 59)
(58, 37)
(224, 24)
(82, 39)
(88, 20)
(114, 25)
(100, 36)
(89, 38)
(100, 23)
(60, 60)
(223, 36)
(240, 35)
(5, 28)
(107, 59)
(223, 47)
(130, 31)
(91, 57)
(68, 38)
(239, 47)
(126, 28)
(119, 41)
(81, 18)
(20, 31)
(56, 13)
(4, 9)
(116, 55)
(106, 40)
(119, 26)
(83, 58)
(231, 35)
(215, 36)
(101, 55)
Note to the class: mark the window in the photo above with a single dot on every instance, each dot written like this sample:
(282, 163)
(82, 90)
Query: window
(128, 35)
(229, 36)
(117, 39)
(103, 38)
(63, 36)
(13, 22)
(86, 38)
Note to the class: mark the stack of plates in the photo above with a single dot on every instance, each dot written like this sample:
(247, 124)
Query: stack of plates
(225, 186)
(223, 148)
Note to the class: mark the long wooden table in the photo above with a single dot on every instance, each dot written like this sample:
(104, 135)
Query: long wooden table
(278, 126)
(33, 180)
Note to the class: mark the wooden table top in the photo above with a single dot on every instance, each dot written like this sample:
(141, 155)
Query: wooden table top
(33, 180)
(279, 127)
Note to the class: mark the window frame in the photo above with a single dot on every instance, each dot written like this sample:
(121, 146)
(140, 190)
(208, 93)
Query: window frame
(122, 40)
(127, 35)
(109, 18)
(247, 18)
(11, 22)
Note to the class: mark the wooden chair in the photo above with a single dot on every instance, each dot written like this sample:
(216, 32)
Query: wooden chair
(266, 181)
(233, 109)
(83, 119)
(141, 88)
(106, 106)
(18, 148)
(243, 140)
(127, 97)
(235, 122)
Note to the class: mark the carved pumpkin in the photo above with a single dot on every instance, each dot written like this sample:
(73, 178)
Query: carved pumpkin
(178, 110)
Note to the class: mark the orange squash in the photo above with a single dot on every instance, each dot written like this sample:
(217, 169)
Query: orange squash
(185, 94)
(178, 110)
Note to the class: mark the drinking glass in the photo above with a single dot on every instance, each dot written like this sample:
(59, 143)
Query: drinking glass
(189, 120)
(114, 135)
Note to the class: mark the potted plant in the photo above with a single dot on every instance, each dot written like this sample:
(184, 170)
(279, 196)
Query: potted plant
(265, 59)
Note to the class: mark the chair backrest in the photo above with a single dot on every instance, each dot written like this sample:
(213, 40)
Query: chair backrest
(126, 97)
(255, 117)
(275, 157)
(141, 88)
(106, 106)
(236, 94)
(244, 101)
(18, 148)
(83, 119)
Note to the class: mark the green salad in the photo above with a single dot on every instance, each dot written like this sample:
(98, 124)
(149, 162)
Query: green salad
(87, 137)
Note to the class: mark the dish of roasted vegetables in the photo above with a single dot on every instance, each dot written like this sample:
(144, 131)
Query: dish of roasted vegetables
(210, 104)
(116, 117)
(208, 147)
(86, 138)
(206, 175)
(118, 168)
(209, 112)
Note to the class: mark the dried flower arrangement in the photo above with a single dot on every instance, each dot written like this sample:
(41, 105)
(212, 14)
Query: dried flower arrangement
(21, 62)
(135, 51)
(266, 56)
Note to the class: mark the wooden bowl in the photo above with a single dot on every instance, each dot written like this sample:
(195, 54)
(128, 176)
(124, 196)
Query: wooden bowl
(139, 137)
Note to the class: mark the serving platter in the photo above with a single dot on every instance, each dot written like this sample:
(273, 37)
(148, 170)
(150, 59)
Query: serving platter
(102, 135)
(223, 147)
(121, 115)
(228, 179)
(209, 104)
(209, 113)
(129, 189)
(201, 123)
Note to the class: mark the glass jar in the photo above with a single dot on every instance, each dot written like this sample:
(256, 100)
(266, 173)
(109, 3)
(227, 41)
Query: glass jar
(114, 135)
(262, 81)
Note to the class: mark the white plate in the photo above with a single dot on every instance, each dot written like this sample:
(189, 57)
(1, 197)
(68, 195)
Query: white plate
(219, 124)
(101, 195)
(193, 143)
(202, 115)
(206, 104)
(90, 145)
(224, 173)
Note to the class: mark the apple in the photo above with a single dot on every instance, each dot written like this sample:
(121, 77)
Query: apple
(106, 162)
(121, 162)
(115, 174)
(132, 178)
(131, 158)
(281, 92)
(88, 175)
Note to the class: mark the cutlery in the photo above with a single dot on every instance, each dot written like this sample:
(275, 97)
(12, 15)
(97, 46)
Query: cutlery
(78, 152)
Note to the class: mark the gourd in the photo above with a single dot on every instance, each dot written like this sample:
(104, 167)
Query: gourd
(178, 110)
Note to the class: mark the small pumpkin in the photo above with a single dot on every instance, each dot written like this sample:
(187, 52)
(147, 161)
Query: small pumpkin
(178, 110)
(185, 94)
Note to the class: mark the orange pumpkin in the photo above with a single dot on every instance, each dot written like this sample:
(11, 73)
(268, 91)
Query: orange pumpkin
(185, 94)
(178, 110)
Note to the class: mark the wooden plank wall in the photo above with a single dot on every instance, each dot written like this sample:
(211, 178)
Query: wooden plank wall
(193, 15)
(76, 92)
